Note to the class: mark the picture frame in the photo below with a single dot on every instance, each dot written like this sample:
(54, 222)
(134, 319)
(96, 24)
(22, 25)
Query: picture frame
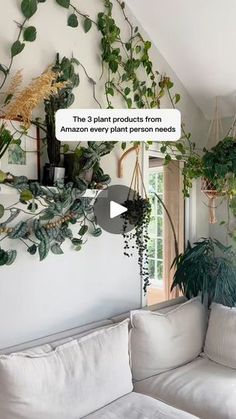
(22, 158)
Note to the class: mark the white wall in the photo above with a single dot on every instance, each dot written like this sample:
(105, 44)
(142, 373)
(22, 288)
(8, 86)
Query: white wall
(61, 292)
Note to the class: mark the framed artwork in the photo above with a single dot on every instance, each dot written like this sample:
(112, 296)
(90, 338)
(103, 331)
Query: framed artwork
(22, 157)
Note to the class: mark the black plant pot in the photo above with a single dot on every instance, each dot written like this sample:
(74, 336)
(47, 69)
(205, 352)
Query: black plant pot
(69, 161)
(50, 174)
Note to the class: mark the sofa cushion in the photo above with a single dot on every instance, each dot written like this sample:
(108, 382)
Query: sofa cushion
(202, 387)
(70, 382)
(138, 406)
(161, 341)
(51, 341)
(220, 345)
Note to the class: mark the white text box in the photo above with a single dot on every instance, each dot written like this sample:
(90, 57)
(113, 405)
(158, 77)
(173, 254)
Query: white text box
(118, 125)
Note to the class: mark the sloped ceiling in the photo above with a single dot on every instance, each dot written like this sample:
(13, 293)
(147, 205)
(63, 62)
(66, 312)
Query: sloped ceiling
(198, 39)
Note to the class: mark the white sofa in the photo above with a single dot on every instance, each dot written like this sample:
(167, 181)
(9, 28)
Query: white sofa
(180, 382)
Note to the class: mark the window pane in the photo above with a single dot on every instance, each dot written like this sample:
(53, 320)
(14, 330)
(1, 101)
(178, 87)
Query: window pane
(151, 248)
(151, 268)
(159, 207)
(152, 181)
(152, 227)
(159, 270)
(159, 180)
(159, 226)
(159, 249)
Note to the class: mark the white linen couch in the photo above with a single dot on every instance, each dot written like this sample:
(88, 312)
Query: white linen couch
(85, 372)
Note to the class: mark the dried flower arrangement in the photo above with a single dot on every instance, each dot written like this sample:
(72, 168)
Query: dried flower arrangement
(23, 102)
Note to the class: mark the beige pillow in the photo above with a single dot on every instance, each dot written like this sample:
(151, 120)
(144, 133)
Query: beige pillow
(70, 382)
(220, 345)
(162, 341)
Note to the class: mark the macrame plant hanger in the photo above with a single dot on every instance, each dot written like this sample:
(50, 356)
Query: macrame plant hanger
(207, 187)
(137, 184)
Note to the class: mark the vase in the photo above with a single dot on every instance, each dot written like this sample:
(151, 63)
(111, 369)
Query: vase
(52, 173)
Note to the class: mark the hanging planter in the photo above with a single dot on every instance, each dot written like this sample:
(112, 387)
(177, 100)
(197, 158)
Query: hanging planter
(138, 215)
(208, 188)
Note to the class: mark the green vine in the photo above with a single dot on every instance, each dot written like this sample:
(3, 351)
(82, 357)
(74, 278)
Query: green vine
(50, 212)
(128, 73)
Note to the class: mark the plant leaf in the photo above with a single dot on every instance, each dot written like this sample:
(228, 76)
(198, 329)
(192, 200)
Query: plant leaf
(64, 3)
(73, 21)
(43, 249)
(97, 232)
(83, 230)
(26, 195)
(177, 98)
(32, 249)
(29, 8)
(3, 257)
(2, 210)
(19, 231)
(56, 249)
(87, 24)
(11, 257)
(30, 34)
(17, 48)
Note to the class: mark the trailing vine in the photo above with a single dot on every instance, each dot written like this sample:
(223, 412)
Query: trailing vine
(128, 73)
(138, 215)
(50, 213)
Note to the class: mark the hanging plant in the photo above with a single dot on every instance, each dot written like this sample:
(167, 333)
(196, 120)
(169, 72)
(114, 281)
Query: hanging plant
(138, 215)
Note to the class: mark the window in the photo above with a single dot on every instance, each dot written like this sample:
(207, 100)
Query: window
(156, 227)
(167, 183)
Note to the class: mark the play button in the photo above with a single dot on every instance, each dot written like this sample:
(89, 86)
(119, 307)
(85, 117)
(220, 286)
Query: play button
(110, 207)
(116, 209)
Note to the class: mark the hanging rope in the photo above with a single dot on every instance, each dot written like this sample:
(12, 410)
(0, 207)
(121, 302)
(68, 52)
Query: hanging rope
(207, 187)
(137, 182)
(215, 130)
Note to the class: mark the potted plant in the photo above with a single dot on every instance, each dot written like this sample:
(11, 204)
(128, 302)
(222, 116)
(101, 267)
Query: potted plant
(208, 268)
(138, 215)
(62, 100)
(83, 165)
(217, 169)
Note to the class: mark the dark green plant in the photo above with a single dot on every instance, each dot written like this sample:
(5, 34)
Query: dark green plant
(63, 100)
(88, 159)
(208, 269)
(138, 215)
(219, 163)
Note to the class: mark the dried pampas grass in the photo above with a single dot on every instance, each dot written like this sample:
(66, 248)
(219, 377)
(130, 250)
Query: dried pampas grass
(41, 88)
(15, 83)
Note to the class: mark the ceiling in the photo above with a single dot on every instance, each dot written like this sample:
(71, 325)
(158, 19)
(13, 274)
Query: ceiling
(198, 39)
